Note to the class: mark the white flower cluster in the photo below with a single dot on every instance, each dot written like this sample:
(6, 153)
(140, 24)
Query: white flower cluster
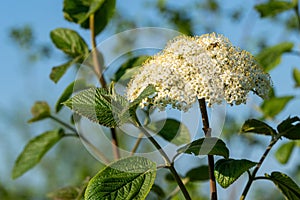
(206, 66)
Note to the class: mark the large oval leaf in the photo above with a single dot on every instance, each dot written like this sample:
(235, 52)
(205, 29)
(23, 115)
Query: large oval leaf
(206, 146)
(126, 179)
(285, 184)
(35, 150)
(228, 171)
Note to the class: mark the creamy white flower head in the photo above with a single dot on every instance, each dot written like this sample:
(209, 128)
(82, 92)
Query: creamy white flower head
(191, 68)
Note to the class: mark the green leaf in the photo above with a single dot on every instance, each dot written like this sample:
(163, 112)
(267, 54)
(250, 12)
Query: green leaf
(270, 57)
(290, 128)
(79, 11)
(58, 71)
(66, 193)
(171, 130)
(285, 184)
(228, 171)
(127, 69)
(272, 107)
(296, 76)
(129, 178)
(40, 110)
(284, 152)
(148, 91)
(70, 42)
(206, 146)
(198, 174)
(73, 87)
(256, 126)
(273, 8)
(99, 106)
(35, 150)
(158, 190)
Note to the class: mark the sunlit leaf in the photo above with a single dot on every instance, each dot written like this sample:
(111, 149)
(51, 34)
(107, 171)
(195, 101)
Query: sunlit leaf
(171, 130)
(198, 174)
(284, 152)
(228, 171)
(129, 178)
(273, 8)
(285, 184)
(40, 110)
(296, 76)
(35, 150)
(270, 57)
(256, 126)
(206, 146)
(273, 106)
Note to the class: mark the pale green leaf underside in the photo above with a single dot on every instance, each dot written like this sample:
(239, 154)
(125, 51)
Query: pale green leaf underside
(126, 179)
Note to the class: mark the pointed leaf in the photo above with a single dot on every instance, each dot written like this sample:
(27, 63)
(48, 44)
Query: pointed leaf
(228, 171)
(256, 126)
(40, 110)
(148, 91)
(285, 184)
(99, 106)
(198, 174)
(35, 150)
(171, 130)
(206, 146)
(58, 71)
(273, 8)
(70, 42)
(73, 87)
(270, 57)
(284, 152)
(272, 107)
(296, 76)
(129, 178)
(290, 128)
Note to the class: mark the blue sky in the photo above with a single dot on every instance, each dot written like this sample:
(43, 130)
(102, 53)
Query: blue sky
(23, 82)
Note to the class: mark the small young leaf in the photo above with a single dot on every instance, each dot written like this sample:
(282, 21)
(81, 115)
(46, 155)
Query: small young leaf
(40, 110)
(272, 107)
(296, 76)
(73, 87)
(58, 71)
(70, 42)
(228, 171)
(289, 128)
(206, 146)
(129, 178)
(273, 8)
(270, 57)
(284, 152)
(256, 126)
(171, 130)
(35, 150)
(285, 184)
(198, 174)
(99, 106)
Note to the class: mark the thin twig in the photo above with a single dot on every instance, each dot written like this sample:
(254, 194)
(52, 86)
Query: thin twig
(177, 189)
(207, 132)
(258, 165)
(137, 143)
(98, 70)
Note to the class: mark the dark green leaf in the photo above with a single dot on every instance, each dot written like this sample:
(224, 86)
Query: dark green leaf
(58, 71)
(206, 146)
(40, 110)
(70, 42)
(73, 87)
(290, 128)
(284, 152)
(296, 75)
(158, 190)
(285, 184)
(198, 174)
(171, 130)
(273, 8)
(228, 171)
(99, 106)
(129, 178)
(274, 106)
(79, 11)
(35, 150)
(128, 68)
(270, 57)
(256, 126)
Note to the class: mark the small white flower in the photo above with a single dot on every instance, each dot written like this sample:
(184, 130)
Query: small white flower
(206, 66)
